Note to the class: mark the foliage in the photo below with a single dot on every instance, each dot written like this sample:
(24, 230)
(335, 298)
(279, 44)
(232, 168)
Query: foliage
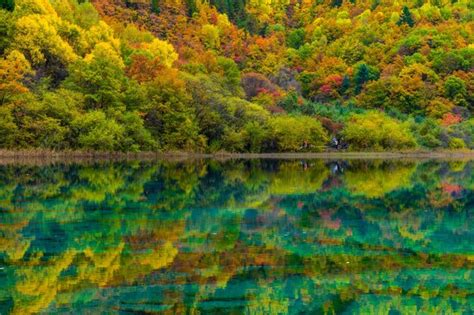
(297, 133)
(376, 131)
(406, 17)
(97, 132)
(13, 69)
(8, 5)
(224, 75)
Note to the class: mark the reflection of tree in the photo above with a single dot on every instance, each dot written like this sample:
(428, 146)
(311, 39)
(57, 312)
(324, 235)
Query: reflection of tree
(375, 181)
(249, 236)
(293, 178)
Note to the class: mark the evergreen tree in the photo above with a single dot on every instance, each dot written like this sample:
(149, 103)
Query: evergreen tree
(346, 84)
(7, 4)
(406, 17)
(191, 7)
(235, 9)
(155, 6)
(361, 76)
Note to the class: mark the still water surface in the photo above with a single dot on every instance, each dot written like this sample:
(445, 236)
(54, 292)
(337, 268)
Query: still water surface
(249, 236)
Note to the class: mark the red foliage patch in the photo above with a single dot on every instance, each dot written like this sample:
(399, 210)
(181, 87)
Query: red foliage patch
(451, 119)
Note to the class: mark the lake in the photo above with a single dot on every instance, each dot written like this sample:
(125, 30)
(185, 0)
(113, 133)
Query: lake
(243, 236)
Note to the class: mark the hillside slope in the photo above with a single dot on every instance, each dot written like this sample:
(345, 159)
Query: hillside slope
(241, 76)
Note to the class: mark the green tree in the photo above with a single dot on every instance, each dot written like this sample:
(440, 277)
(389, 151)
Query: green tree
(155, 6)
(296, 38)
(235, 9)
(95, 131)
(364, 74)
(169, 117)
(8, 5)
(454, 87)
(8, 128)
(231, 74)
(136, 137)
(427, 133)
(336, 3)
(191, 7)
(406, 17)
(6, 27)
(100, 78)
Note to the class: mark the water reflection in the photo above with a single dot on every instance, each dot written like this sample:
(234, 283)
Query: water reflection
(254, 236)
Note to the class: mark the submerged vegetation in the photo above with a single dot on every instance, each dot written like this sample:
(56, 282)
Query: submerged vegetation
(237, 76)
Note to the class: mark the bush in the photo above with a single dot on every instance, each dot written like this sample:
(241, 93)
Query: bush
(454, 86)
(296, 133)
(376, 131)
(136, 136)
(428, 133)
(456, 143)
(97, 132)
(464, 131)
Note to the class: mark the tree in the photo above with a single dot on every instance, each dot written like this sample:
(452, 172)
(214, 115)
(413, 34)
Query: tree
(296, 133)
(100, 77)
(8, 5)
(13, 69)
(95, 131)
(136, 137)
(231, 74)
(336, 3)
(155, 6)
(8, 128)
(210, 36)
(161, 50)
(428, 133)
(376, 131)
(296, 38)
(363, 74)
(38, 37)
(235, 9)
(191, 7)
(406, 17)
(255, 83)
(168, 115)
(454, 87)
(6, 27)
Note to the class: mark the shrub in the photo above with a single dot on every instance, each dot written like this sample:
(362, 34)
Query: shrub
(97, 132)
(454, 86)
(296, 133)
(376, 131)
(456, 143)
(428, 133)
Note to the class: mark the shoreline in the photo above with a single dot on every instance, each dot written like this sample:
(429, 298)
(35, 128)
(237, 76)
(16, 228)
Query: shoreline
(12, 156)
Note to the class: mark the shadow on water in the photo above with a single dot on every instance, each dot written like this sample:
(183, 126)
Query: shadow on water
(238, 236)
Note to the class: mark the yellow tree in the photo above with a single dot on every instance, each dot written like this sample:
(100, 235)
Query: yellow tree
(37, 36)
(13, 69)
(162, 50)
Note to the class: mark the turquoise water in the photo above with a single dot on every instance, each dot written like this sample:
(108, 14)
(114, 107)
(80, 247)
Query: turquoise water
(249, 236)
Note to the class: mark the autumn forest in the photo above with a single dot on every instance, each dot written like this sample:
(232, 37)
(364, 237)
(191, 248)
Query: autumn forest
(237, 76)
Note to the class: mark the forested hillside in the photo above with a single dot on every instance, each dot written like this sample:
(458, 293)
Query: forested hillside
(237, 76)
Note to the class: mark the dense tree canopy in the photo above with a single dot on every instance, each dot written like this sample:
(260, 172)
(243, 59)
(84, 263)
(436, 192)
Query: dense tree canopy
(247, 75)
